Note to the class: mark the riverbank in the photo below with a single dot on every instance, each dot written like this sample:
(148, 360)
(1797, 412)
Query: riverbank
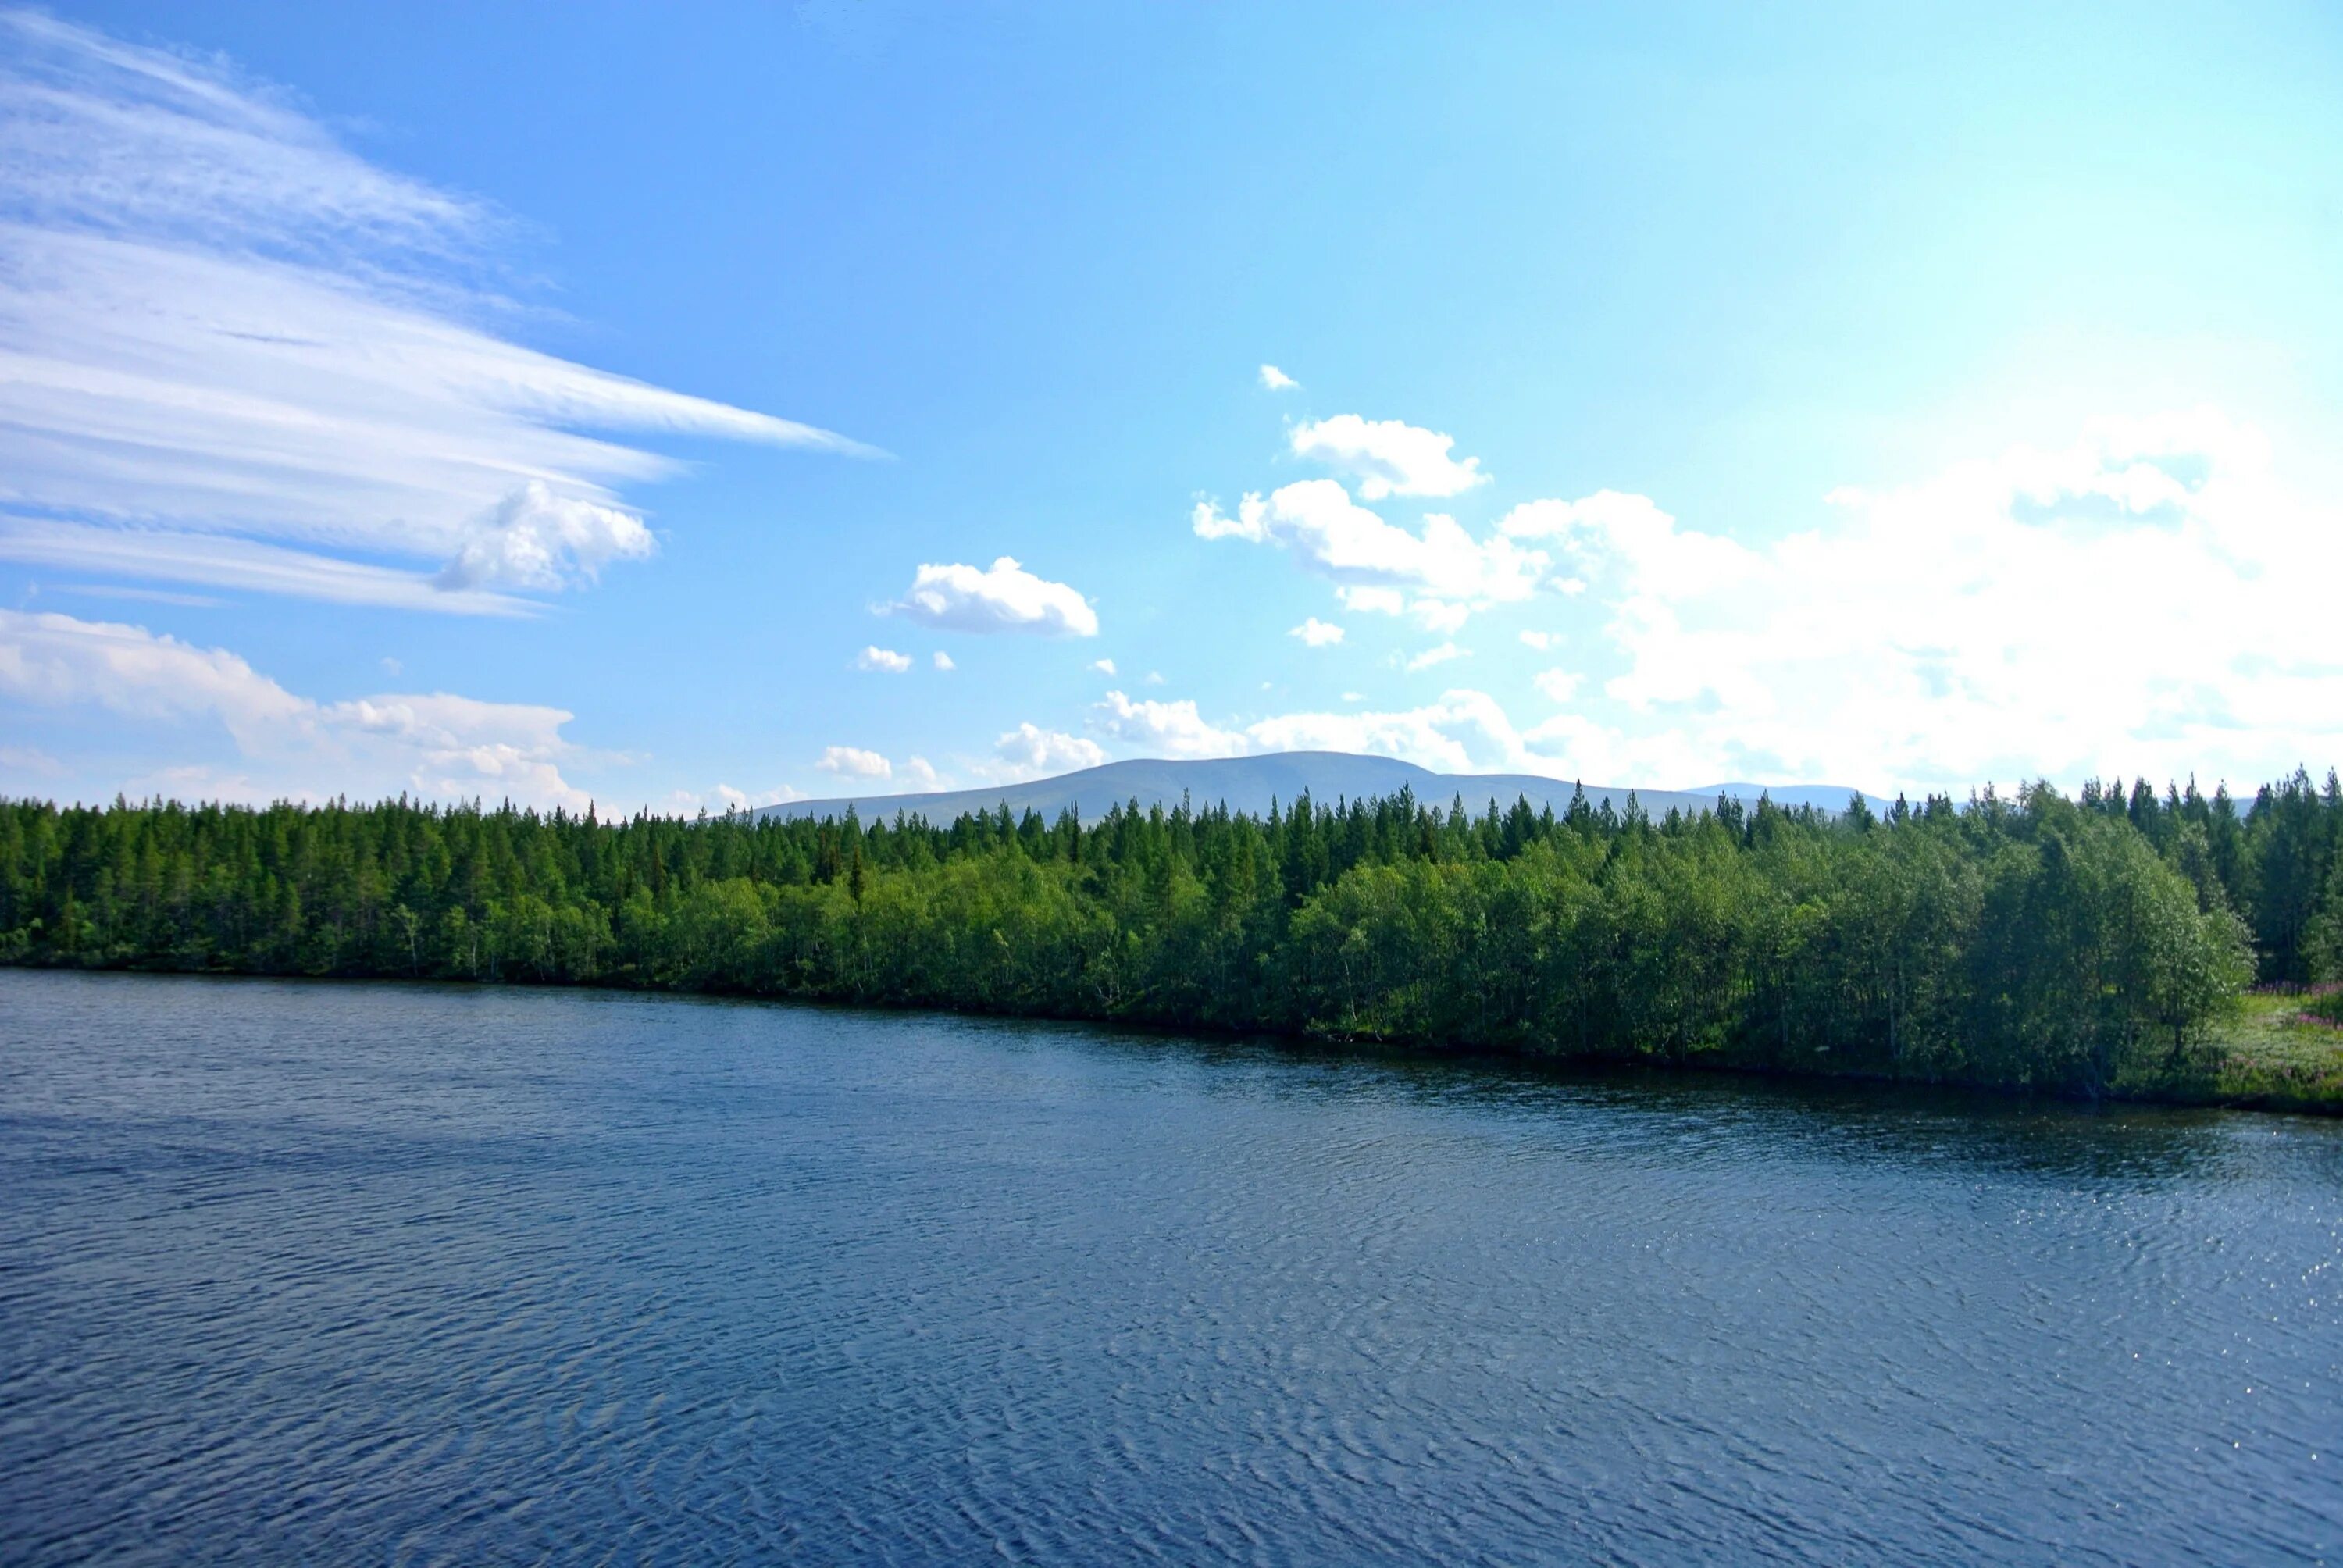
(2274, 1055)
(2047, 947)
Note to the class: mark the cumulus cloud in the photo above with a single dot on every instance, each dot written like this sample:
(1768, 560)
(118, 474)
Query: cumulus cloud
(467, 746)
(534, 538)
(2149, 598)
(1561, 685)
(220, 326)
(1317, 633)
(437, 744)
(733, 800)
(884, 660)
(1103, 666)
(1439, 615)
(1375, 563)
(943, 660)
(1386, 457)
(1030, 751)
(1277, 380)
(1432, 656)
(1004, 598)
(853, 762)
(1163, 728)
(1465, 731)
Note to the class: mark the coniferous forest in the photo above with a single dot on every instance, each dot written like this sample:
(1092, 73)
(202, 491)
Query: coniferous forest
(2087, 946)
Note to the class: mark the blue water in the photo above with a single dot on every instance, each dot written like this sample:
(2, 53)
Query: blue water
(297, 1272)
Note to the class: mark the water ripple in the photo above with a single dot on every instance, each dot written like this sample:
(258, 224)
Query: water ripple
(298, 1272)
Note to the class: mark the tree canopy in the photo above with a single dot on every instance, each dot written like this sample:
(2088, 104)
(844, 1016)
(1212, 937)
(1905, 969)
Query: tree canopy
(2039, 940)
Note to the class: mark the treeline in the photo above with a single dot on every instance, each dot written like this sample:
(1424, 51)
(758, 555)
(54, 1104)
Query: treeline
(2075, 944)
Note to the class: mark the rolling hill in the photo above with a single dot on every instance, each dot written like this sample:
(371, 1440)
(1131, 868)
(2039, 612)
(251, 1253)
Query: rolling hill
(1251, 783)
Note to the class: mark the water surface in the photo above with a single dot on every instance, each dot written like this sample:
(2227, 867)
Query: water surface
(307, 1272)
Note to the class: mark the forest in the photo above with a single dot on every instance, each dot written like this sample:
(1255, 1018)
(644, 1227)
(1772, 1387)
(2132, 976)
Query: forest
(2087, 946)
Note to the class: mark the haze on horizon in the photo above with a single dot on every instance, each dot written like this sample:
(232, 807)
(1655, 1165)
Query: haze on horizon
(763, 403)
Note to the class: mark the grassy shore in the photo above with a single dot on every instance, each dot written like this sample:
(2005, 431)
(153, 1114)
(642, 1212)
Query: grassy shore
(2271, 1052)
(2271, 1055)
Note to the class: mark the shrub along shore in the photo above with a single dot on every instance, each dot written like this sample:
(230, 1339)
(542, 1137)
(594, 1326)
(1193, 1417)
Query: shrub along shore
(2099, 946)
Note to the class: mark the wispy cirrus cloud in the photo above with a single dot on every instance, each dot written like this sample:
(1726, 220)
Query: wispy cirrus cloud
(226, 561)
(219, 323)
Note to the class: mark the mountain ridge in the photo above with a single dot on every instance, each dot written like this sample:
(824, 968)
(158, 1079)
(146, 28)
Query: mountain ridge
(1252, 784)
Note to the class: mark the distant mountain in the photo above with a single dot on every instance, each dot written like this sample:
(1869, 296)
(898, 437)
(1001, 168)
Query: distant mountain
(1250, 784)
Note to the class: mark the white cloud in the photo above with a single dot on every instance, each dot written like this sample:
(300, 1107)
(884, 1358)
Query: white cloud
(1373, 560)
(922, 772)
(1432, 656)
(1164, 729)
(1439, 615)
(2149, 600)
(436, 744)
(534, 538)
(1031, 752)
(29, 759)
(853, 762)
(1103, 666)
(1387, 457)
(1465, 731)
(746, 800)
(1317, 633)
(943, 660)
(1561, 685)
(221, 560)
(1277, 380)
(1004, 598)
(142, 595)
(216, 322)
(884, 660)
(1251, 523)
(468, 746)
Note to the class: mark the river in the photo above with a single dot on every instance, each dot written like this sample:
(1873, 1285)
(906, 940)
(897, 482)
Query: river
(305, 1272)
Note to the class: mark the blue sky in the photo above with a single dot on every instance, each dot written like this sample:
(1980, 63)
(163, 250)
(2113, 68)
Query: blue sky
(598, 401)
